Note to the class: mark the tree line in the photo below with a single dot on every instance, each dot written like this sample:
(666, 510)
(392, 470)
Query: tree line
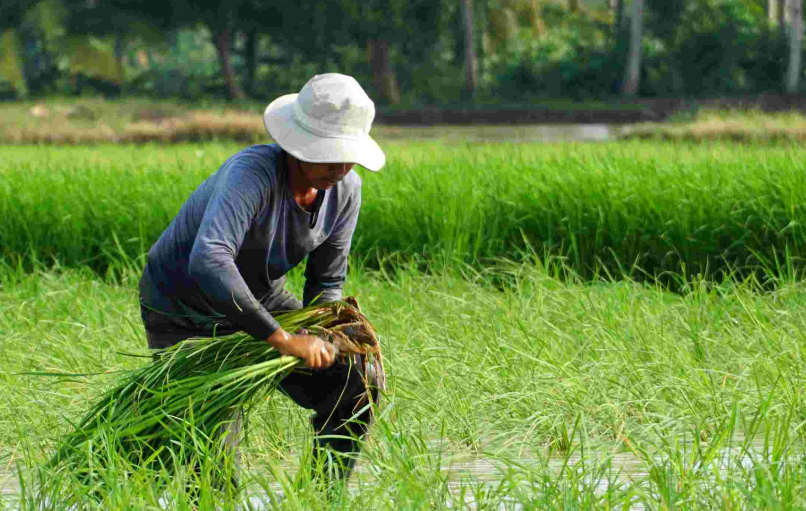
(426, 51)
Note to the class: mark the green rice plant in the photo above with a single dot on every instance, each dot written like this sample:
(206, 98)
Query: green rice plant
(725, 421)
(638, 210)
(175, 410)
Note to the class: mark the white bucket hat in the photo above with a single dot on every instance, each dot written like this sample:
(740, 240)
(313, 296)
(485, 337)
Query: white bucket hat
(327, 122)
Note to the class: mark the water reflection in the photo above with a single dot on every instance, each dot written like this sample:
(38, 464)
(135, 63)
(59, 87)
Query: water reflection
(595, 471)
(503, 133)
(8, 484)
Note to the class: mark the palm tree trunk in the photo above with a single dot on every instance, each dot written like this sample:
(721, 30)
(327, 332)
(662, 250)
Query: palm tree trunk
(471, 72)
(793, 71)
(633, 72)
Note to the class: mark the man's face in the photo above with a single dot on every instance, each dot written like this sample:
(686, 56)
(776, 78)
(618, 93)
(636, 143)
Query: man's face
(324, 175)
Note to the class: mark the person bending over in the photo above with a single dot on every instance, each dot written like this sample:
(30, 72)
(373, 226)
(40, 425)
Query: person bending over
(220, 265)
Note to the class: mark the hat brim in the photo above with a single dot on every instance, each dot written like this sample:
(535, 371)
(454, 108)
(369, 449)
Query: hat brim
(278, 118)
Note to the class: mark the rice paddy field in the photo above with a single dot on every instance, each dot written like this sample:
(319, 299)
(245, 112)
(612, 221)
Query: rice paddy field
(565, 326)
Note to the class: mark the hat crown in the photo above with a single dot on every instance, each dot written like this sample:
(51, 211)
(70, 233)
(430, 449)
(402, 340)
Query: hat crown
(333, 105)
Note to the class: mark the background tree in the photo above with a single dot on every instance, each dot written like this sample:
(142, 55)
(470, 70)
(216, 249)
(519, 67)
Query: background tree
(471, 72)
(12, 13)
(390, 27)
(794, 68)
(384, 30)
(122, 17)
(617, 7)
(96, 32)
(633, 72)
(222, 18)
(414, 51)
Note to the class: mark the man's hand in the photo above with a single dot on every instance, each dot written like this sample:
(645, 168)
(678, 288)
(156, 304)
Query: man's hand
(316, 353)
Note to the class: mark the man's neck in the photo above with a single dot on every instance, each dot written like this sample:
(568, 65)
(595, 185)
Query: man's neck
(304, 194)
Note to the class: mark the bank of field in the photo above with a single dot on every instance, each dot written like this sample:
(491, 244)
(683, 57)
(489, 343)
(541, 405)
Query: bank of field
(640, 209)
(750, 126)
(697, 399)
(571, 389)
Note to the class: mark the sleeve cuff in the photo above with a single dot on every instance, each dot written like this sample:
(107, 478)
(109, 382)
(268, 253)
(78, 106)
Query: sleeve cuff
(260, 324)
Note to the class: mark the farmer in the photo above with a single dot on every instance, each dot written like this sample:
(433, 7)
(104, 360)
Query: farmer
(220, 265)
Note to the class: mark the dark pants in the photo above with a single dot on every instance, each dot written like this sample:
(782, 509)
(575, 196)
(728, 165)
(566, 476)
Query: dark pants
(335, 394)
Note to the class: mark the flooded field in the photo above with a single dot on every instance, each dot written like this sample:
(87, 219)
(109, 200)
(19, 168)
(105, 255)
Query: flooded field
(470, 482)
(503, 133)
(543, 382)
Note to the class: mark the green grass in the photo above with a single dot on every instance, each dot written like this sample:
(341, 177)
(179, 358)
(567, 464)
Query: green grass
(638, 209)
(552, 381)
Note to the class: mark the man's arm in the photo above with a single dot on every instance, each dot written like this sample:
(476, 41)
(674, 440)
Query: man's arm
(233, 206)
(326, 269)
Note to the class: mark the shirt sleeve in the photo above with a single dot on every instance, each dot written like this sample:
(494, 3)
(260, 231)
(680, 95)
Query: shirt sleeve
(326, 269)
(235, 203)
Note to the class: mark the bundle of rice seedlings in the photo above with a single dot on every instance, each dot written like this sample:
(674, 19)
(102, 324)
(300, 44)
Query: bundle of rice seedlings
(156, 416)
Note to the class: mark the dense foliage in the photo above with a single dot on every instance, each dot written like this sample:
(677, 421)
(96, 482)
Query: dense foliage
(699, 48)
(526, 50)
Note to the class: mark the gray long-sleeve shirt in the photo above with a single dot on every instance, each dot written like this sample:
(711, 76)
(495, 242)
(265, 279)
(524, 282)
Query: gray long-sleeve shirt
(235, 238)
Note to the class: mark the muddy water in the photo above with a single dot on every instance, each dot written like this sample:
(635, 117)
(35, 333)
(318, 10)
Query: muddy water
(504, 133)
(8, 483)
